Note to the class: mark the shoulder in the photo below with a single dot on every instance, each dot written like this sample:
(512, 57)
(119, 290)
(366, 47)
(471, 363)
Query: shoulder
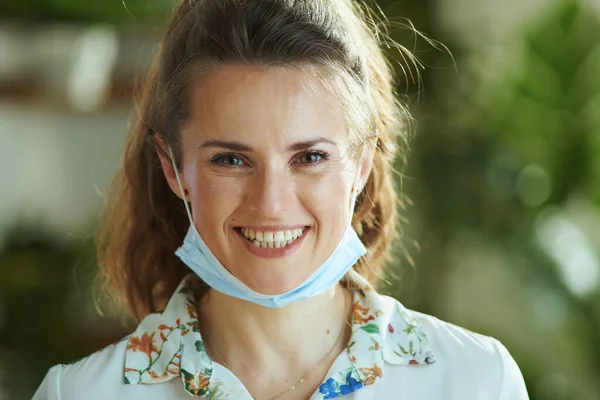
(102, 369)
(470, 362)
(449, 340)
(445, 340)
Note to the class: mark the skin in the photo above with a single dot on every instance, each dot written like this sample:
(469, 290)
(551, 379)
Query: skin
(275, 179)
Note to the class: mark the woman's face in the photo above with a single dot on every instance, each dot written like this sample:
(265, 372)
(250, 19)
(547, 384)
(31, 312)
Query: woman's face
(268, 166)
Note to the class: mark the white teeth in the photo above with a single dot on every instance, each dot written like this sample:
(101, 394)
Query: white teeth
(272, 239)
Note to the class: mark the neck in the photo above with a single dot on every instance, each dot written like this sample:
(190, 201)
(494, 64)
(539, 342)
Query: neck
(251, 339)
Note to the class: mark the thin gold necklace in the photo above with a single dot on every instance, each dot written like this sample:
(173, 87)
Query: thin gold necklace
(307, 373)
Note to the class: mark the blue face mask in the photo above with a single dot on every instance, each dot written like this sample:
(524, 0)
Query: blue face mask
(197, 256)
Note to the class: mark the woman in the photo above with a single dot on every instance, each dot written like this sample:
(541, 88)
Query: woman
(262, 157)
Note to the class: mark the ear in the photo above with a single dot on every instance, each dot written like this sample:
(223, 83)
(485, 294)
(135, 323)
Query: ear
(365, 166)
(168, 167)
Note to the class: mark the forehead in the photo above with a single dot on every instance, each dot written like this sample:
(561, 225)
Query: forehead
(275, 103)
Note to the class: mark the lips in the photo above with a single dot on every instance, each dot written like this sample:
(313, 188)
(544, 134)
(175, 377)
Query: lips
(274, 241)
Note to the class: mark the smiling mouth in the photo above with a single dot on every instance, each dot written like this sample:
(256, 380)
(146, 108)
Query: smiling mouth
(272, 239)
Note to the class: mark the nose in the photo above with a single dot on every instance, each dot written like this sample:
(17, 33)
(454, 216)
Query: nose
(271, 192)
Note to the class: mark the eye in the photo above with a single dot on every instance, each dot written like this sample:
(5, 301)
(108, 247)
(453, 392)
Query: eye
(311, 157)
(228, 160)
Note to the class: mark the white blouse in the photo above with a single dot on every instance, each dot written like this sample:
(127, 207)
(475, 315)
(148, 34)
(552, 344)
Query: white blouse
(393, 353)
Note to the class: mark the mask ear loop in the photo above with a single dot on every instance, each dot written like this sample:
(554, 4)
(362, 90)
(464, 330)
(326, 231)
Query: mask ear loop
(355, 191)
(187, 208)
(354, 195)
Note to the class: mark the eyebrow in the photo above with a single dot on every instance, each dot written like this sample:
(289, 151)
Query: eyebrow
(236, 146)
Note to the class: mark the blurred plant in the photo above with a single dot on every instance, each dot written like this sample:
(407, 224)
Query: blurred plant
(40, 324)
(492, 156)
(545, 114)
(544, 118)
(115, 12)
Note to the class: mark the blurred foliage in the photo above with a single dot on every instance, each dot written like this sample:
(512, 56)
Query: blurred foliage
(543, 116)
(39, 294)
(468, 172)
(545, 112)
(113, 12)
(493, 155)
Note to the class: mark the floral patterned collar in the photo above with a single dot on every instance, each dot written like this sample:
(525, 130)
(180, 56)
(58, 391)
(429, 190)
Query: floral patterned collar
(168, 345)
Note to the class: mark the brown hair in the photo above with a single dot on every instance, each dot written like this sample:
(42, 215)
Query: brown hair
(144, 221)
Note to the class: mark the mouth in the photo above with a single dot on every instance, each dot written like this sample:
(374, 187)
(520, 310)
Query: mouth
(272, 239)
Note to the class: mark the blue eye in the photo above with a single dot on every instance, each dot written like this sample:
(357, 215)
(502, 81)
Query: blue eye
(228, 160)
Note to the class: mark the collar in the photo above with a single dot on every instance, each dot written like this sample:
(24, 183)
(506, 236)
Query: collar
(168, 344)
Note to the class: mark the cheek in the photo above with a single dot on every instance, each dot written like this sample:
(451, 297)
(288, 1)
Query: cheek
(213, 201)
(329, 198)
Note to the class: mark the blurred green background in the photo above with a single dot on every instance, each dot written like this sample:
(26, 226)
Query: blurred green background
(501, 193)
